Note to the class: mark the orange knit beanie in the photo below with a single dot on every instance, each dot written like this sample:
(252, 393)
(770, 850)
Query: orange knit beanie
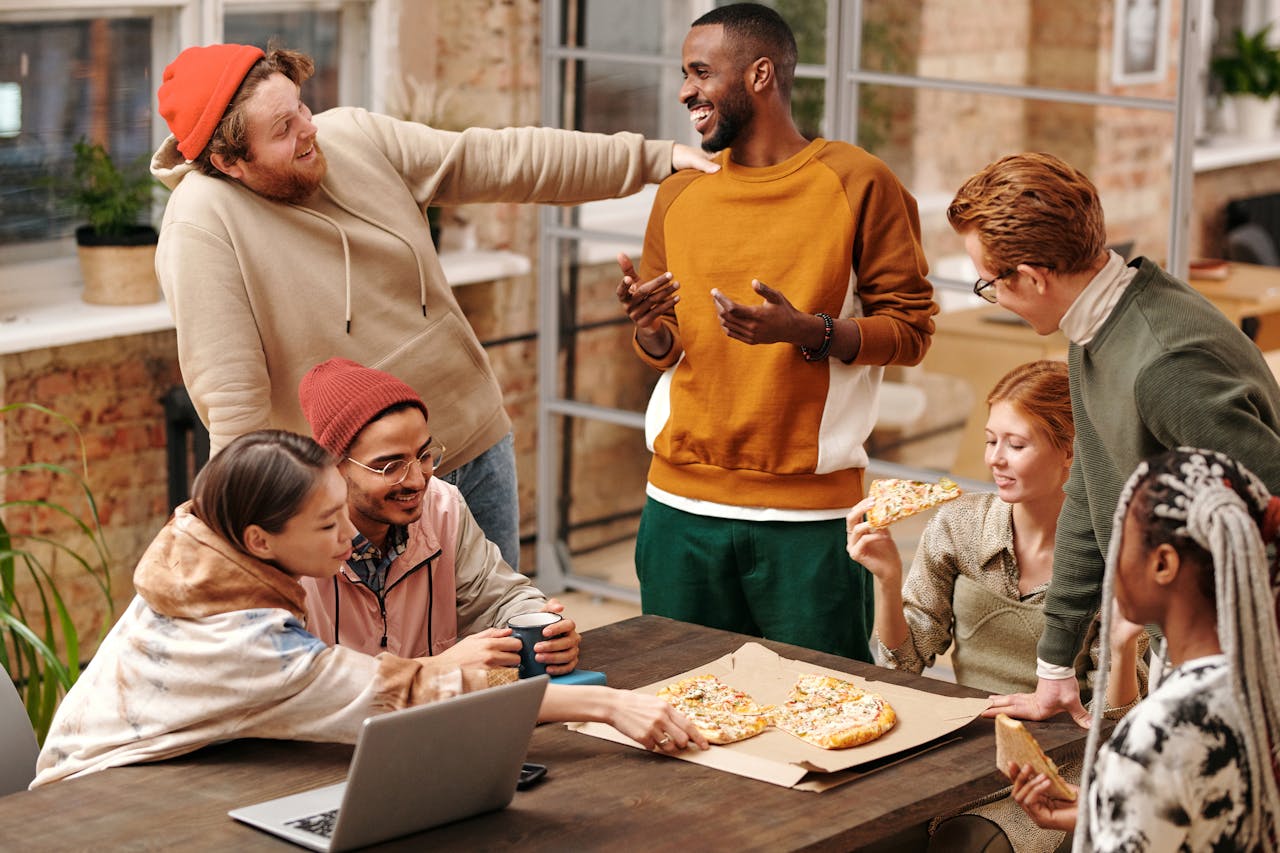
(198, 86)
(340, 397)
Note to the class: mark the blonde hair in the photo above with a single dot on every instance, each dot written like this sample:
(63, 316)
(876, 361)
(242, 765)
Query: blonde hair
(1041, 391)
(1211, 509)
(1032, 209)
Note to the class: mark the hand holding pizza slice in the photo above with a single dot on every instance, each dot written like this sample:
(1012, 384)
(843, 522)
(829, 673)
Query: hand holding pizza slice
(896, 499)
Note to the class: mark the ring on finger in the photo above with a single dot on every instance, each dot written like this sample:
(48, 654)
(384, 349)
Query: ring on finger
(666, 739)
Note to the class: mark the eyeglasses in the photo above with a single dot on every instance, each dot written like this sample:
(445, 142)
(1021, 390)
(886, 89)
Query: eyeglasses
(985, 287)
(395, 472)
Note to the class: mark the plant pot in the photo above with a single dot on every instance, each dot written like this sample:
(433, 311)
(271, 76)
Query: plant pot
(1255, 117)
(120, 269)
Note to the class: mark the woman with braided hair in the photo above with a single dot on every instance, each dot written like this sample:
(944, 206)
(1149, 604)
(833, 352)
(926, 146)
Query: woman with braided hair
(1193, 766)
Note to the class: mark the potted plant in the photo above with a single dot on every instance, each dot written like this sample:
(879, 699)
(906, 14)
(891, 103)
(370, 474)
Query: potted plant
(1250, 76)
(117, 249)
(40, 646)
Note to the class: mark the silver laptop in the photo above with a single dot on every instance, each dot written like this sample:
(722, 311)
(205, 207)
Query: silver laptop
(415, 769)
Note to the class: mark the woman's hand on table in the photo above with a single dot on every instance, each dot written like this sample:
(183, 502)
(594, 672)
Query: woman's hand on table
(1031, 792)
(653, 723)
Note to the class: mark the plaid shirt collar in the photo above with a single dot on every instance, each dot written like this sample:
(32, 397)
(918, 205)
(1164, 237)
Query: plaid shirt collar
(370, 564)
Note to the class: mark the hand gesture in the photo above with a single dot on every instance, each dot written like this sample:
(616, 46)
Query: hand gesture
(685, 157)
(645, 303)
(773, 321)
(873, 548)
(1031, 792)
(489, 649)
(1052, 696)
(562, 644)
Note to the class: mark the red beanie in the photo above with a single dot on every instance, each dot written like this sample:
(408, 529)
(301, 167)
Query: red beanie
(198, 86)
(339, 398)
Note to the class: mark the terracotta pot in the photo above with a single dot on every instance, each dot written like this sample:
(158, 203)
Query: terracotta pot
(118, 270)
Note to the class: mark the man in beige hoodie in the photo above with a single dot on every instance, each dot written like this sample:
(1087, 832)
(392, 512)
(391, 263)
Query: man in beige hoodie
(290, 238)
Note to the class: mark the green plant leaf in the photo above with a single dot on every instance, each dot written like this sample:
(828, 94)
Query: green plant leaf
(31, 656)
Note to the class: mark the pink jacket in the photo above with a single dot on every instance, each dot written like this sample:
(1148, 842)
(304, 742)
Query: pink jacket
(450, 582)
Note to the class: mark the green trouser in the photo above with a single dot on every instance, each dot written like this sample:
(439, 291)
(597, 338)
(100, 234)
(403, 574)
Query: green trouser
(790, 581)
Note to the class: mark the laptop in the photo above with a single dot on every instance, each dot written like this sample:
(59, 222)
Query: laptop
(415, 769)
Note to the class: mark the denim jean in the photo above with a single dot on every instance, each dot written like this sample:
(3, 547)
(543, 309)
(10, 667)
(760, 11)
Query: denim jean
(488, 484)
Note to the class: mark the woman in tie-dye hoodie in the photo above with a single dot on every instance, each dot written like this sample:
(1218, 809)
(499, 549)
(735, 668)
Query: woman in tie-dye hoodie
(214, 646)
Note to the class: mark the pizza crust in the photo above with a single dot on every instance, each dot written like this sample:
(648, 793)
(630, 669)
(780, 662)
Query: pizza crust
(1015, 743)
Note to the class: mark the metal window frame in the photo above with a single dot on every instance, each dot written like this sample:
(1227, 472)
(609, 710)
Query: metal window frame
(843, 77)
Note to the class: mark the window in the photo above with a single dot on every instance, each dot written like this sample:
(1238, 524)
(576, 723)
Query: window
(70, 70)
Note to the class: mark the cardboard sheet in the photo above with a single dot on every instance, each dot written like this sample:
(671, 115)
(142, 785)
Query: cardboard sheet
(783, 759)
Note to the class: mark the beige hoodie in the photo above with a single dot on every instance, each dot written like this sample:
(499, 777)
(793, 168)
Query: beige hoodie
(261, 291)
(212, 648)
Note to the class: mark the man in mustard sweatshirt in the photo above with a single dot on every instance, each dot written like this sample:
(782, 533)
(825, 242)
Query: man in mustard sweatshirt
(771, 294)
(290, 238)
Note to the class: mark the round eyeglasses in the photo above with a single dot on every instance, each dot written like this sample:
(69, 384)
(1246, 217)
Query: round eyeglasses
(395, 472)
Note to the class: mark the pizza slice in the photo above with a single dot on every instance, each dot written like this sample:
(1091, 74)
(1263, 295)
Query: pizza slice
(1015, 743)
(832, 713)
(722, 713)
(896, 499)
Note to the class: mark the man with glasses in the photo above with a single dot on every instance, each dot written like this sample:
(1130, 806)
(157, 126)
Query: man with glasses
(422, 578)
(801, 276)
(1153, 366)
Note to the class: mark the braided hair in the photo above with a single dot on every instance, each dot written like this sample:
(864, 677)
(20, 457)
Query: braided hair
(1212, 511)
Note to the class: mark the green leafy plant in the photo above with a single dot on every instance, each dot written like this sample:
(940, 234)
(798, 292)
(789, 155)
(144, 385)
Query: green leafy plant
(112, 199)
(41, 649)
(1251, 68)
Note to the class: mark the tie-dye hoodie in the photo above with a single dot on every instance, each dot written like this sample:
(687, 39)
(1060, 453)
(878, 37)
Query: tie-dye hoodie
(214, 647)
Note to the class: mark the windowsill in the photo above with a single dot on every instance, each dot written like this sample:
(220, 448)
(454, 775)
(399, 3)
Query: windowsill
(1224, 152)
(40, 304)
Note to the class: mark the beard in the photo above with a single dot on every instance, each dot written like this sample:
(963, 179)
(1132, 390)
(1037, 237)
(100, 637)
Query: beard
(292, 185)
(733, 112)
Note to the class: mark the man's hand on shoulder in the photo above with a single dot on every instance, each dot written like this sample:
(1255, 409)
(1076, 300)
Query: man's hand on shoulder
(685, 157)
(559, 651)
(489, 649)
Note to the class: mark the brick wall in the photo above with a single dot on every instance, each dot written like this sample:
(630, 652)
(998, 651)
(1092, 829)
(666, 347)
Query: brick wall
(111, 391)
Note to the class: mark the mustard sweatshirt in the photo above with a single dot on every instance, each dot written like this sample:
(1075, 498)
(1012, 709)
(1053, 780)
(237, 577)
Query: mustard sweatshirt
(758, 426)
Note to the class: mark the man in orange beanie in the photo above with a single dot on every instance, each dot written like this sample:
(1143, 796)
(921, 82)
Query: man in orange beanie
(291, 237)
(421, 574)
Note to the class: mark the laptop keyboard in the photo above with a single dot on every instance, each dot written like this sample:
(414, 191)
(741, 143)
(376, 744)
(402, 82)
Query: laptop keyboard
(317, 824)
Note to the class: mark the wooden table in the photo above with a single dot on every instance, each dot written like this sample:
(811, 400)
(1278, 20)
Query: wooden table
(979, 346)
(597, 795)
(1248, 291)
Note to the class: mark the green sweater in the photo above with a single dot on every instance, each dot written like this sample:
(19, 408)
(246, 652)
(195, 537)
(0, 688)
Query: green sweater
(1166, 370)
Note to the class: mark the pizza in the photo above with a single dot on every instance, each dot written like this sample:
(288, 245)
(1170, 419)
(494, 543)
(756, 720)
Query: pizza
(1015, 743)
(833, 713)
(722, 713)
(897, 499)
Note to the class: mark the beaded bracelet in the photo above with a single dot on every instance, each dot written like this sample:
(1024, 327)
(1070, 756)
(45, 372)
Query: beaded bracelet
(821, 352)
